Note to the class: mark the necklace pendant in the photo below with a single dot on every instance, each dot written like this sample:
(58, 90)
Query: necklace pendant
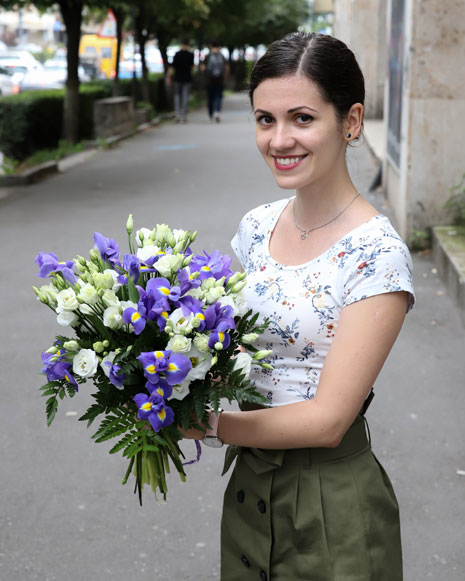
(304, 235)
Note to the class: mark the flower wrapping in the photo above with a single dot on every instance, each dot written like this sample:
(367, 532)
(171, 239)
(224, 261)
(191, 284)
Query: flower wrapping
(162, 333)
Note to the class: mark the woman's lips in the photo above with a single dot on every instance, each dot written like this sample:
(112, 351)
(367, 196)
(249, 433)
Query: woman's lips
(287, 162)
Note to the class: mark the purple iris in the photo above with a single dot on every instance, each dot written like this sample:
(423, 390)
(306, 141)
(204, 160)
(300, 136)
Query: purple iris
(173, 366)
(155, 308)
(216, 314)
(56, 367)
(161, 288)
(154, 409)
(163, 388)
(211, 265)
(49, 264)
(135, 317)
(192, 305)
(107, 247)
(220, 336)
(186, 281)
(116, 377)
(132, 266)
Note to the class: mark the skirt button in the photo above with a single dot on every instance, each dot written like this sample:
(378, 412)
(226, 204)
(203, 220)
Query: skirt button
(245, 561)
(263, 576)
(261, 507)
(240, 496)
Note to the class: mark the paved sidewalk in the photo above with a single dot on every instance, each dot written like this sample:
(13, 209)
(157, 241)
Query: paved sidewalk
(63, 514)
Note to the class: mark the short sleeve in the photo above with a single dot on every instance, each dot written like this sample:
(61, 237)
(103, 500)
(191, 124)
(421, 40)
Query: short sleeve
(239, 243)
(385, 266)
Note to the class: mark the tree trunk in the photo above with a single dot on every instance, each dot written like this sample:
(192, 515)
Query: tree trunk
(141, 40)
(71, 12)
(119, 15)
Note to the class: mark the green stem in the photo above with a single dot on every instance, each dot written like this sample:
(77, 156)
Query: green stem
(128, 471)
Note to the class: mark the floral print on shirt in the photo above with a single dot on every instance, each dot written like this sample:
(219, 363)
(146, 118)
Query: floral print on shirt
(304, 302)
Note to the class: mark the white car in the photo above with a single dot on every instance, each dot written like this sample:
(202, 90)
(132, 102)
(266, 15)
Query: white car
(7, 85)
(18, 63)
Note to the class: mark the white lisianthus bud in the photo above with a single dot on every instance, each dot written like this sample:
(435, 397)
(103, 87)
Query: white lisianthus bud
(243, 363)
(249, 338)
(109, 298)
(169, 264)
(98, 347)
(88, 294)
(208, 283)
(106, 344)
(213, 295)
(266, 366)
(113, 318)
(233, 279)
(85, 363)
(71, 345)
(263, 354)
(66, 300)
(40, 295)
(130, 225)
(214, 360)
(50, 293)
(187, 260)
(238, 286)
(67, 318)
(201, 343)
(179, 344)
(85, 309)
(52, 350)
(179, 246)
(103, 280)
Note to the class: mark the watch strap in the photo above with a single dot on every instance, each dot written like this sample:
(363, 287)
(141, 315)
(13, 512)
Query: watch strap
(213, 420)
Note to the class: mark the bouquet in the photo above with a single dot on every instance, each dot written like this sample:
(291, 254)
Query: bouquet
(163, 334)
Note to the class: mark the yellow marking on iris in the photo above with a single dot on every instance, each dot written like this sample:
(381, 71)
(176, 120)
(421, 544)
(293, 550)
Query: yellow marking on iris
(200, 316)
(164, 290)
(151, 369)
(164, 315)
(162, 415)
(160, 391)
(195, 361)
(206, 268)
(67, 378)
(172, 367)
(147, 406)
(135, 317)
(158, 354)
(221, 337)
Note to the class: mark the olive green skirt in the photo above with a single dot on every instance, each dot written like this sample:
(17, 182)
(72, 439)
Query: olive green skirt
(313, 514)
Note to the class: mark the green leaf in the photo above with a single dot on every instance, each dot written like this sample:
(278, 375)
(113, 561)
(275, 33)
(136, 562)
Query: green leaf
(133, 292)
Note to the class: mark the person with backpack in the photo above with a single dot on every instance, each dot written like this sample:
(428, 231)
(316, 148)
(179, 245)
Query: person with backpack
(215, 73)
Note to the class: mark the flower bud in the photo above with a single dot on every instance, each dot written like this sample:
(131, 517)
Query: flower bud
(106, 343)
(214, 360)
(52, 350)
(130, 225)
(187, 260)
(249, 338)
(266, 366)
(98, 347)
(239, 286)
(219, 346)
(71, 345)
(259, 355)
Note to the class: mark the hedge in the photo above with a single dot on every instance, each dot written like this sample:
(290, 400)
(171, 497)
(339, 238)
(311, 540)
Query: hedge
(32, 121)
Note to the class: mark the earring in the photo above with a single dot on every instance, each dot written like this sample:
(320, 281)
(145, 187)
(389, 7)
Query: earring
(348, 135)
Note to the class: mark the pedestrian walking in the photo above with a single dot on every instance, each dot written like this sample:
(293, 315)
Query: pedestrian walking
(216, 71)
(182, 64)
(307, 498)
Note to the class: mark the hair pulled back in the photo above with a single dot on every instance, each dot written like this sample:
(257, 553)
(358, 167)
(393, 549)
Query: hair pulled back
(323, 59)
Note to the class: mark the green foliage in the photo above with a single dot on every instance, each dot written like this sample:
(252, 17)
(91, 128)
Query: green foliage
(457, 201)
(419, 240)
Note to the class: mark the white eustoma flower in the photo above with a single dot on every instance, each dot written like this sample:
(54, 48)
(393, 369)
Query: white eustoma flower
(201, 364)
(85, 363)
(169, 264)
(180, 391)
(71, 345)
(127, 304)
(110, 299)
(201, 342)
(179, 235)
(89, 294)
(114, 276)
(143, 237)
(113, 318)
(241, 305)
(213, 295)
(67, 318)
(243, 362)
(107, 359)
(179, 344)
(147, 252)
(66, 300)
(179, 323)
(163, 234)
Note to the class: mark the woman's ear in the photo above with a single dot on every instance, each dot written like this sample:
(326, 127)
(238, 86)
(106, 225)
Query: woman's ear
(354, 121)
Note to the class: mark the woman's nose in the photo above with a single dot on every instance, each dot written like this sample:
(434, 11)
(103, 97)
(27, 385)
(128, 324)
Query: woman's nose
(282, 138)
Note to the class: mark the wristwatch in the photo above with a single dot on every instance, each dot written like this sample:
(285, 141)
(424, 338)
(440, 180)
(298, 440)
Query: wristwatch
(211, 435)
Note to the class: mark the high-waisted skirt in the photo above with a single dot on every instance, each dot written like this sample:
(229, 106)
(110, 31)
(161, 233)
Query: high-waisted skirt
(313, 514)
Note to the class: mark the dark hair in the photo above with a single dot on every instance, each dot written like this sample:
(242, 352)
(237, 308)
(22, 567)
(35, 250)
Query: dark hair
(323, 59)
(185, 40)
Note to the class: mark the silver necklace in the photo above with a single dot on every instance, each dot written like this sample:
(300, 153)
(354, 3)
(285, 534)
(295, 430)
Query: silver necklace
(305, 233)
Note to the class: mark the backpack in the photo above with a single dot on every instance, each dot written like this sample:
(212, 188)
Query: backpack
(215, 65)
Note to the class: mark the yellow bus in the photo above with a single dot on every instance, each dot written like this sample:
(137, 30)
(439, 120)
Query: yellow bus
(101, 51)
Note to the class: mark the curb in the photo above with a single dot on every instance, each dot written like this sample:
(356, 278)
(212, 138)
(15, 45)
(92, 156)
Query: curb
(449, 258)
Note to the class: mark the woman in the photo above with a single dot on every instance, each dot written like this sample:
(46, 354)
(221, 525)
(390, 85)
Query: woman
(307, 498)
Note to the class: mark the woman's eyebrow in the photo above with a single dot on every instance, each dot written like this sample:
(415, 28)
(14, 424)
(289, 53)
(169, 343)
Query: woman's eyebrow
(261, 111)
(294, 109)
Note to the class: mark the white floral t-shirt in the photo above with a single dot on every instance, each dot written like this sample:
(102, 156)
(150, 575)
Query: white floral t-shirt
(304, 302)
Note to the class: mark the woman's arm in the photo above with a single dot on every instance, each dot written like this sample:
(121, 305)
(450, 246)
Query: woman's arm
(366, 332)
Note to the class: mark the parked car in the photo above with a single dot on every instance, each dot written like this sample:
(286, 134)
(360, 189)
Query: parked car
(7, 85)
(18, 63)
(56, 70)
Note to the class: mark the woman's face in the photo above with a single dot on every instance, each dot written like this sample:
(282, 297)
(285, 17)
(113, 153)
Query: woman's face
(297, 132)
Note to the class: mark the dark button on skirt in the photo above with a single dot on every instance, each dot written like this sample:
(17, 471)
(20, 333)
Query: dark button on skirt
(330, 515)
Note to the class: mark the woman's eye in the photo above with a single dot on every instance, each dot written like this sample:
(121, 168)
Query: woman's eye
(303, 118)
(265, 120)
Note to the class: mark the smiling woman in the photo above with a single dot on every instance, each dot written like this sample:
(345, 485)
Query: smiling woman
(307, 498)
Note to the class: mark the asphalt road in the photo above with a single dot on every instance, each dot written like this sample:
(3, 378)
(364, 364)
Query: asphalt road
(63, 513)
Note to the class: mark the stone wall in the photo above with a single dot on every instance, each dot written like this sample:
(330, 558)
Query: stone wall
(113, 116)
